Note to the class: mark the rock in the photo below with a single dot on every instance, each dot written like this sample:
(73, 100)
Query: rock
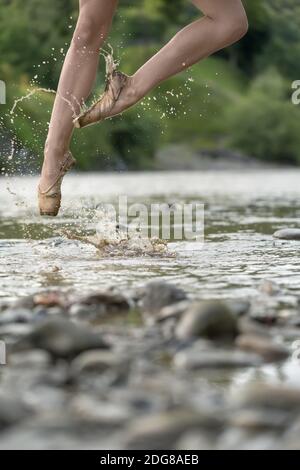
(112, 301)
(259, 420)
(97, 362)
(108, 414)
(194, 440)
(14, 330)
(173, 311)
(12, 411)
(24, 303)
(288, 234)
(263, 396)
(212, 320)
(158, 294)
(161, 431)
(215, 359)
(50, 299)
(34, 358)
(247, 326)
(61, 339)
(15, 315)
(263, 346)
(239, 307)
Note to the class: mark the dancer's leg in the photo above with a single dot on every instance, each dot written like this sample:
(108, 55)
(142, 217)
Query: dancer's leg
(76, 81)
(224, 23)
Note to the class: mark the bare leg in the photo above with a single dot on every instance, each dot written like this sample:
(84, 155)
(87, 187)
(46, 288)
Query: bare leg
(76, 81)
(224, 23)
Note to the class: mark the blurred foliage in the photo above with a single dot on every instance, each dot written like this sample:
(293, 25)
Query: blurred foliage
(240, 98)
(264, 122)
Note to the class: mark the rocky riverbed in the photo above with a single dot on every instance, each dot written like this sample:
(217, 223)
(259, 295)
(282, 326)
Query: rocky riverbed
(147, 368)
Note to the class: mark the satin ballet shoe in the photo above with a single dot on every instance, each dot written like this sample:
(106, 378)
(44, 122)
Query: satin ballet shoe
(115, 83)
(50, 199)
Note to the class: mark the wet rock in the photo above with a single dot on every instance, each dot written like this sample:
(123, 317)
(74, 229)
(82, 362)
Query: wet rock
(15, 315)
(158, 294)
(14, 330)
(34, 358)
(173, 311)
(161, 431)
(50, 299)
(260, 420)
(247, 326)
(12, 411)
(112, 301)
(215, 359)
(24, 303)
(264, 396)
(99, 362)
(195, 440)
(265, 347)
(61, 339)
(90, 408)
(288, 234)
(239, 307)
(213, 320)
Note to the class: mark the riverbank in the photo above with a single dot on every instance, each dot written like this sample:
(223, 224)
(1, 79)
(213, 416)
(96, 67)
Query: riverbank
(149, 368)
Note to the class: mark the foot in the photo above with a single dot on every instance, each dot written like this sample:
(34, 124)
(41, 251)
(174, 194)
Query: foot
(129, 96)
(53, 161)
(49, 190)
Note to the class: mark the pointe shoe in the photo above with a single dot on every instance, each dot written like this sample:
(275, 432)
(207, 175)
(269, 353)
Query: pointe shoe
(49, 200)
(115, 82)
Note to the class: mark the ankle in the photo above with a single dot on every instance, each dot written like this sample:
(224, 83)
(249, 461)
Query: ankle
(134, 91)
(54, 151)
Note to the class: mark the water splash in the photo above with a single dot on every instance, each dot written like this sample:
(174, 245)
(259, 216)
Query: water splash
(115, 240)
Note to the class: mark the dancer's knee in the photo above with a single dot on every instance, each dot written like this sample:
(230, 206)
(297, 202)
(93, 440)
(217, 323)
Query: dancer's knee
(234, 27)
(89, 33)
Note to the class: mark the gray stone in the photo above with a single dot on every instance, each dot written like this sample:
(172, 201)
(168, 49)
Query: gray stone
(33, 358)
(158, 294)
(61, 338)
(260, 396)
(110, 301)
(260, 420)
(288, 234)
(12, 411)
(161, 431)
(213, 320)
(15, 315)
(98, 362)
(263, 346)
(215, 359)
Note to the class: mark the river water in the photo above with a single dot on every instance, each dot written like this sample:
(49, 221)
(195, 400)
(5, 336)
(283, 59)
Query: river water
(242, 211)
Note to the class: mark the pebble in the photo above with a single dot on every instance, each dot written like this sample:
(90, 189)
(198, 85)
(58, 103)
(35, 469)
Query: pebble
(98, 362)
(12, 411)
(161, 431)
(288, 234)
(112, 301)
(259, 420)
(158, 294)
(61, 339)
(265, 347)
(213, 320)
(33, 358)
(16, 315)
(215, 359)
(264, 396)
